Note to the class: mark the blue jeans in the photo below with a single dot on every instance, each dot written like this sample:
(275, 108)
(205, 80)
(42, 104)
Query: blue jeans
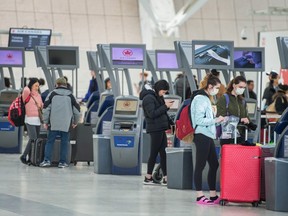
(63, 148)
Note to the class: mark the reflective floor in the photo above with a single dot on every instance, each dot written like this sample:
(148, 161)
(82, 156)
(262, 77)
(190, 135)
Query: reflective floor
(77, 190)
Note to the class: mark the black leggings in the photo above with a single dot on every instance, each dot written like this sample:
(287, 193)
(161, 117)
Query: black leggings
(158, 144)
(205, 151)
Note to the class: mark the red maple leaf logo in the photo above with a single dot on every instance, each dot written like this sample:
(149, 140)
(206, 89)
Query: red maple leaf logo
(126, 104)
(127, 52)
(9, 56)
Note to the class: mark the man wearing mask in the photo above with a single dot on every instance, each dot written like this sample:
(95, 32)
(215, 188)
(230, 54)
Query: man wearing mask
(271, 89)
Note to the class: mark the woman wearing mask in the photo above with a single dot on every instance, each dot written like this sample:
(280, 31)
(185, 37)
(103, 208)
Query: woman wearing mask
(157, 122)
(203, 118)
(32, 119)
(236, 106)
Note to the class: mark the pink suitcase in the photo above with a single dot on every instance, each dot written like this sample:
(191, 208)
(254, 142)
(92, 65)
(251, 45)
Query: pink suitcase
(240, 174)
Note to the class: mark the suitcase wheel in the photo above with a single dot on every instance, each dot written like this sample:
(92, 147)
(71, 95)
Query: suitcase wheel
(223, 202)
(255, 204)
(158, 174)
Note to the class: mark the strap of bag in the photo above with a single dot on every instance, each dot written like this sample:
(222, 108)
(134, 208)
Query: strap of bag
(227, 99)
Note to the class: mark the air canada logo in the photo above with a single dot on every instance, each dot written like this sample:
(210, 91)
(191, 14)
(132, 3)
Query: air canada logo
(126, 104)
(127, 52)
(9, 56)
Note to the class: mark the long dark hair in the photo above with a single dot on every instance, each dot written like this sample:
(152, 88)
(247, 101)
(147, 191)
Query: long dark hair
(32, 81)
(235, 81)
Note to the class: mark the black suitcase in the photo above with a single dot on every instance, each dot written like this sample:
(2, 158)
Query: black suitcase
(38, 149)
(82, 151)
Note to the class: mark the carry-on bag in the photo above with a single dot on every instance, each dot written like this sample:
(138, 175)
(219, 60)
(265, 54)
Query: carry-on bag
(240, 174)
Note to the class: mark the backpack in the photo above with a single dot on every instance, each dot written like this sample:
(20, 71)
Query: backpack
(16, 112)
(184, 126)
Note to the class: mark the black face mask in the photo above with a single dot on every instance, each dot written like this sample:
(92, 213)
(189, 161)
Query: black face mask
(271, 81)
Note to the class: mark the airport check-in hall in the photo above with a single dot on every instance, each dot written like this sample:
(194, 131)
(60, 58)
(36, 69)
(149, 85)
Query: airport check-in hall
(143, 107)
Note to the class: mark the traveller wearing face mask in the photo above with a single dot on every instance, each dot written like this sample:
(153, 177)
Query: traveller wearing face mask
(236, 106)
(204, 120)
(271, 89)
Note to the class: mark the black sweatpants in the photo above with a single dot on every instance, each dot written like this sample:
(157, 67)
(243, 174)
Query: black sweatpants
(158, 145)
(205, 151)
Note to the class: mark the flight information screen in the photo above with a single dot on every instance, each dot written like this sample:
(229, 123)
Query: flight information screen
(29, 38)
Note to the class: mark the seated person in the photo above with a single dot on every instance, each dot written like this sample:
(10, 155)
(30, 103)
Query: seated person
(93, 86)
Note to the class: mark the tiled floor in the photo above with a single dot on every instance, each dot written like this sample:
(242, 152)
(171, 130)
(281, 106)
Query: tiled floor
(77, 190)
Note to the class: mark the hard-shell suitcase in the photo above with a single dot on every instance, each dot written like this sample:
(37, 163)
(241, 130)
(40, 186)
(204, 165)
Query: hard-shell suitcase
(37, 152)
(38, 149)
(82, 151)
(240, 174)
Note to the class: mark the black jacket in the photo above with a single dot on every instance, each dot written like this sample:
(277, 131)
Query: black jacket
(155, 111)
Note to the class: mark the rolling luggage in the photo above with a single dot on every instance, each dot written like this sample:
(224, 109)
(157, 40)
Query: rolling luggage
(83, 149)
(37, 152)
(38, 149)
(240, 174)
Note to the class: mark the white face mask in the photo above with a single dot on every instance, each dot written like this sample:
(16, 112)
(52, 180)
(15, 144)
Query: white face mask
(239, 91)
(214, 91)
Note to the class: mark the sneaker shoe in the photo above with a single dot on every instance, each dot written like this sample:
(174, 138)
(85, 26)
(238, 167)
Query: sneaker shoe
(150, 181)
(45, 164)
(164, 182)
(216, 199)
(23, 159)
(62, 165)
(204, 201)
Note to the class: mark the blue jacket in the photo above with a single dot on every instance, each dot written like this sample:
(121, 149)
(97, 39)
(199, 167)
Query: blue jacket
(202, 115)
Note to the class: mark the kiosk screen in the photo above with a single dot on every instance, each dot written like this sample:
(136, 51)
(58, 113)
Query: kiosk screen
(126, 107)
(249, 59)
(166, 60)
(12, 57)
(212, 54)
(128, 56)
(29, 38)
(63, 57)
(252, 110)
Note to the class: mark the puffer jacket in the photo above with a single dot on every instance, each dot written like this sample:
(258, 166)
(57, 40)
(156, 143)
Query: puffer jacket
(155, 110)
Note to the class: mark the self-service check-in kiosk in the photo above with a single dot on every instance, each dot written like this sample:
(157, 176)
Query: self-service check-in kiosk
(125, 136)
(11, 137)
(276, 169)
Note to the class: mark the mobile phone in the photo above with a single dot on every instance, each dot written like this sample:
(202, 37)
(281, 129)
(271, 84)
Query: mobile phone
(172, 101)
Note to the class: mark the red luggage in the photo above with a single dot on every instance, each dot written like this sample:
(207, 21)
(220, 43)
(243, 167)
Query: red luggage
(240, 174)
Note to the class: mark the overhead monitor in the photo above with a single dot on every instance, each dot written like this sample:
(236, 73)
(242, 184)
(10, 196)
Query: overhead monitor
(126, 107)
(128, 55)
(12, 57)
(63, 57)
(183, 48)
(28, 38)
(176, 102)
(166, 60)
(212, 54)
(249, 59)
(282, 44)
